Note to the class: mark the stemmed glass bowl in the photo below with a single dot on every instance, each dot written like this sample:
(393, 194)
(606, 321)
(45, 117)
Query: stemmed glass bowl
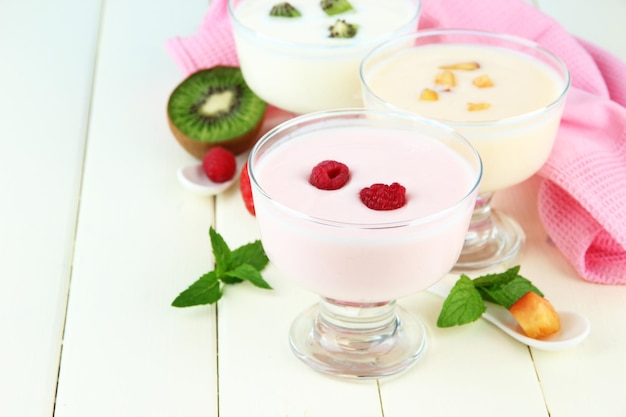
(357, 259)
(517, 89)
(293, 64)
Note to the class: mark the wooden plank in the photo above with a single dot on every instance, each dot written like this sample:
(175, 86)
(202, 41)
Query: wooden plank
(576, 380)
(48, 51)
(472, 370)
(590, 377)
(141, 237)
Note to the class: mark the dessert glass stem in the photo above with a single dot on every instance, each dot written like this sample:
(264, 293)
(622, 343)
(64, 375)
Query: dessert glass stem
(358, 340)
(493, 238)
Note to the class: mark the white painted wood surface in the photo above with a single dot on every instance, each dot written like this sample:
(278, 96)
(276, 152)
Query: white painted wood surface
(97, 238)
(48, 52)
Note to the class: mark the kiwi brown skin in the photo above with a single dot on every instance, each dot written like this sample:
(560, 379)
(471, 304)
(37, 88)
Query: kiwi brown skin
(198, 149)
(236, 129)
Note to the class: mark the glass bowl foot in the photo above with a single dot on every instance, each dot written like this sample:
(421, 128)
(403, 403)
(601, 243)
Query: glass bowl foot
(357, 340)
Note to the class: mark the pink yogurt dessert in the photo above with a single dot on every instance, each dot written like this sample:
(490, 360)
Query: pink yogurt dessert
(334, 245)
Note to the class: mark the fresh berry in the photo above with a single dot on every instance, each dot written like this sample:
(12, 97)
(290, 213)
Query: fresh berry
(383, 196)
(329, 175)
(246, 189)
(219, 164)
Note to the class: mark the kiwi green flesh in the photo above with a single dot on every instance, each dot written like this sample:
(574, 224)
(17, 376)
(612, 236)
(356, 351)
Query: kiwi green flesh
(333, 7)
(284, 10)
(343, 29)
(215, 107)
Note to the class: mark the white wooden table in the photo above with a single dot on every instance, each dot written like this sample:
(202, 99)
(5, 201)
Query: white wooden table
(97, 237)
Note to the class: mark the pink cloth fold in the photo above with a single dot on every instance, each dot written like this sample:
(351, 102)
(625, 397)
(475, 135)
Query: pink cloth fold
(582, 201)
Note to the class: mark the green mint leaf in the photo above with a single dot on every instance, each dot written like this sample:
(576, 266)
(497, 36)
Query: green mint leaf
(487, 283)
(248, 273)
(221, 252)
(230, 280)
(501, 278)
(206, 290)
(231, 267)
(463, 305)
(251, 254)
(507, 294)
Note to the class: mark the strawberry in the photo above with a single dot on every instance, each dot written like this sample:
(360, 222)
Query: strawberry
(219, 164)
(246, 189)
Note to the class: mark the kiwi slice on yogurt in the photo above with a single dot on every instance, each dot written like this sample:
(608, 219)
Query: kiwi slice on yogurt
(333, 7)
(284, 10)
(215, 107)
(343, 29)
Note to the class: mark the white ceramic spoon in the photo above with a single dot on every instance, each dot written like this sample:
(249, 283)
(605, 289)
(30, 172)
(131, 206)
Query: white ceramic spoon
(193, 178)
(574, 327)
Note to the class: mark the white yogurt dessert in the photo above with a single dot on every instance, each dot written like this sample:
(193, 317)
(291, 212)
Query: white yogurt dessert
(516, 110)
(294, 63)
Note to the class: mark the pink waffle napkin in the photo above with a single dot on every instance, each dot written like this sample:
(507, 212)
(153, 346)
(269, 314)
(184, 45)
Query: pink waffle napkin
(582, 202)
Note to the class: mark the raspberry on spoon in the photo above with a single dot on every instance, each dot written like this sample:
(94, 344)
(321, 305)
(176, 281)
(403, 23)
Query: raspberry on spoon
(219, 164)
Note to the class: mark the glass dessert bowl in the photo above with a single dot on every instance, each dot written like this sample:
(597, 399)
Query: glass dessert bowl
(340, 244)
(294, 64)
(504, 94)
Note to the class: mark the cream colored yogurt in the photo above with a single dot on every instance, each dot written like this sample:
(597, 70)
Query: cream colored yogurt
(514, 135)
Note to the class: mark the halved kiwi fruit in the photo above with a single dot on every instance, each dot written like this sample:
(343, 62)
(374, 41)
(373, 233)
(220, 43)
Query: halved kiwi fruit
(215, 107)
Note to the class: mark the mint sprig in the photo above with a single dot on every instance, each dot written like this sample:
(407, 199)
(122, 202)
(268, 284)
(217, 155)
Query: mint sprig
(466, 301)
(231, 267)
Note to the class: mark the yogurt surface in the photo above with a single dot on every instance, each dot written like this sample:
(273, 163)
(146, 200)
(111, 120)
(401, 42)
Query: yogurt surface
(520, 84)
(375, 18)
(435, 177)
